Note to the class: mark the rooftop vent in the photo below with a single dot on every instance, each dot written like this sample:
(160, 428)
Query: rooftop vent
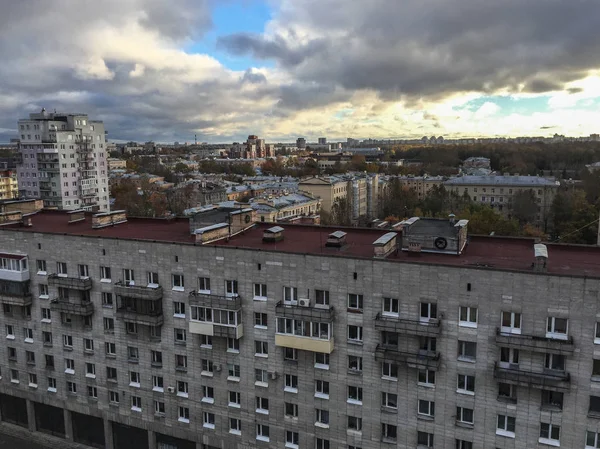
(106, 219)
(336, 239)
(274, 234)
(385, 245)
(541, 258)
(76, 216)
(211, 233)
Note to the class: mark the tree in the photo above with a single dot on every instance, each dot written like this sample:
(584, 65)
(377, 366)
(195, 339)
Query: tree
(398, 200)
(341, 212)
(574, 218)
(524, 206)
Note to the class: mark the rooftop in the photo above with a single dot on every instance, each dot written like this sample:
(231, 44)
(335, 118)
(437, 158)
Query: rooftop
(527, 181)
(481, 252)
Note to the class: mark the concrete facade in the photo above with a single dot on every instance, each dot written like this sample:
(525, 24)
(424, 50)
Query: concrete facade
(342, 400)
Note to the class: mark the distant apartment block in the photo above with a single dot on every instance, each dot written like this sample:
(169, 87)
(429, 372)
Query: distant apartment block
(9, 188)
(63, 161)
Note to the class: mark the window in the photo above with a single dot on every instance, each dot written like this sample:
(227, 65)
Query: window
(14, 376)
(92, 392)
(291, 383)
(321, 389)
(594, 409)
(47, 338)
(428, 311)
(261, 348)
(290, 295)
(159, 408)
(110, 349)
(235, 399)
(206, 341)
(355, 334)
(178, 282)
(592, 440)
(355, 395)
(46, 315)
(291, 439)
(466, 384)
(152, 279)
(233, 372)
(111, 374)
(467, 317)
(61, 268)
(506, 426)
(389, 432)
(597, 334)
(467, 351)
(507, 392)
(180, 362)
(426, 378)
(463, 444)
(41, 267)
(52, 384)
(464, 415)
(389, 339)
(555, 362)
(184, 414)
(233, 345)
(321, 360)
(180, 335)
(131, 328)
(182, 389)
(354, 423)
(105, 274)
(90, 370)
(260, 292)
(83, 271)
(389, 400)
(322, 298)
(508, 357)
(235, 426)
(204, 285)
(71, 387)
(557, 328)
(208, 420)
(178, 309)
(43, 291)
(207, 367)
(290, 354)
(109, 325)
(355, 303)
(231, 288)
(10, 331)
(262, 405)
(426, 408)
(128, 276)
(322, 418)
(133, 354)
(156, 358)
(389, 370)
(30, 357)
(107, 300)
(291, 410)
(69, 366)
(391, 306)
(549, 434)
(262, 432)
(157, 384)
(261, 377)
(134, 379)
(511, 323)
(260, 320)
(552, 399)
(136, 403)
(28, 335)
(68, 341)
(425, 440)
(355, 364)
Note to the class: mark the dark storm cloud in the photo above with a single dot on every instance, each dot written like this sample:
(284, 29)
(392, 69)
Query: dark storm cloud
(253, 77)
(432, 48)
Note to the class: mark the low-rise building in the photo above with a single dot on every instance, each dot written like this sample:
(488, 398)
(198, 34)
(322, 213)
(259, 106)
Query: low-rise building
(114, 163)
(273, 208)
(9, 187)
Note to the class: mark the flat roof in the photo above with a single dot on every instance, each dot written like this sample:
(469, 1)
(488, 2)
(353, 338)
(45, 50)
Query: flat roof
(501, 253)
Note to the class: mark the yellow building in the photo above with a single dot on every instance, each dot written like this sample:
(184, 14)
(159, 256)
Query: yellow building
(9, 188)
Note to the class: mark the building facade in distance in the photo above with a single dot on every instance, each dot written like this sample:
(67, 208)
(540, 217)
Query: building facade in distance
(64, 161)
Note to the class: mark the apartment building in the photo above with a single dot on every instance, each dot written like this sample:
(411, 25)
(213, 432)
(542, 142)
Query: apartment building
(134, 334)
(9, 189)
(63, 161)
(497, 191)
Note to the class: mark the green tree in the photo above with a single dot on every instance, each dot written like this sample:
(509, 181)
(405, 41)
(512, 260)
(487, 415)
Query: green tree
(524, 206)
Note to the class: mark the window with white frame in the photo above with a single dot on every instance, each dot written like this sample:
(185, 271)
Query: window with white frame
(389, 400)
(235, 426)
(260, 320)
(510, 323)
(261, 348)
(464, 415)
(69, 366)
(426, 377)
(291, 383)
(128, 276)
(464, 444)
(321, 389)
(261, 377)
(134, 379)
(508, 357)
(71, 387)
(555, 362)
(291, 439)
(355, 364)
(389, 432)
(41, 267)
(10, 332)
(391, 306)
(467, 351)
(84, 271)
(549, 434)
(180, 335)
(290, 295)
(467, 316)
(46, 315)
(105, 275)
(592, 440)
(428, 311)
(107, 299)
(291, 410)
(180, 362)
(90, 370)
(159, 408)
(204, 285)
(178, 283)
(136, 403)
(208, 420)
(262, 405)
(158, 384)
(355, 395)
(321, 360)
(424, 440)
(260, 292)
(465, 384)
(354, 424)
(233, 371)
(322, 418)
(152, 278)
(206, 341)
(92, 392)
(506, 426)
(322, 298)
(231, 288)
(235, 399)
(178, 309)
(110, 349)
(262, 432)
(557, 328)
(184, 414)
(61, 269)
(426, 408)
(182, 388)
(290, 354)
(355, 302)
(233, 345)
(389, 370)
(355, 334)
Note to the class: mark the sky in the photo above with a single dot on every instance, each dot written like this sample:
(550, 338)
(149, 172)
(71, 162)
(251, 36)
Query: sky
(282, 69)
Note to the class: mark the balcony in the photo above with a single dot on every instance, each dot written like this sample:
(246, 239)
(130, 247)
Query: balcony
(535, 343)
(72, 308)
(16, 299)
(145, 318)
(45, 186)
(537, 379)
(215, 301)
(407, 326)
(70, 282)
(312, 344)
(422, 359)
(305, 313)
(138, 291)
(216, 329)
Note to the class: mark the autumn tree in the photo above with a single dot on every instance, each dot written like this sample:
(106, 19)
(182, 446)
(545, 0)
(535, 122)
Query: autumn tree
(524, 206)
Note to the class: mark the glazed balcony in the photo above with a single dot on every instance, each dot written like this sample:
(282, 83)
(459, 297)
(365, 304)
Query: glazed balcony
(312, 314)
(215, 301)
(422, 359)
(535, 343)
(63, 305)
(138, 291)
(72, 283)
(536, 379)
(430, 328)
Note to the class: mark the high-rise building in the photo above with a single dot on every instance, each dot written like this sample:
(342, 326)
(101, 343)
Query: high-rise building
(322, 140)
(301, 143)
(63, 161)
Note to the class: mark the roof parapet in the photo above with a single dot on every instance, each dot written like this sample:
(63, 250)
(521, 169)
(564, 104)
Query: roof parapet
(106, 219)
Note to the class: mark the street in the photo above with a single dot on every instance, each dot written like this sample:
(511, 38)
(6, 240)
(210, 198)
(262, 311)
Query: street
(8, 442)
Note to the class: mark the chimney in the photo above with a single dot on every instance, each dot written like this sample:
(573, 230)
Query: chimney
(541, 258)
(452, 218)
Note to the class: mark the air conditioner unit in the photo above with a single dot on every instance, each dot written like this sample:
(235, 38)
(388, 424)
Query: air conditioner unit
(274, 375)
(171, 389)
(304, 302)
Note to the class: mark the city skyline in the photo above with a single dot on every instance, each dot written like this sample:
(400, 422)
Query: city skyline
(283, 69)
